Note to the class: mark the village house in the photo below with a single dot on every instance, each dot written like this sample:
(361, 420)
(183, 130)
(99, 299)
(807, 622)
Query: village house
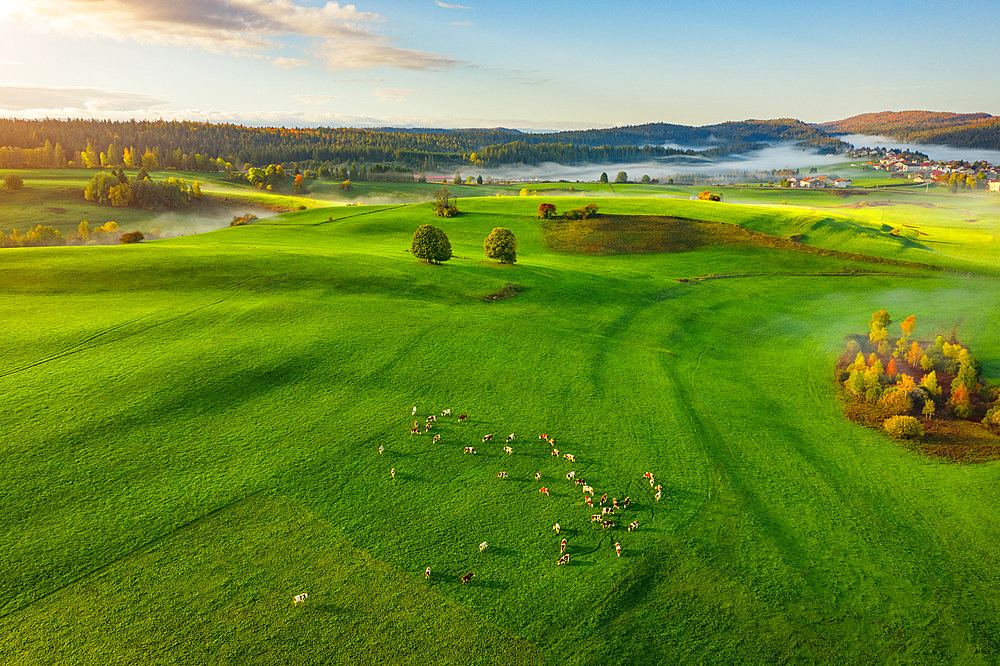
(842, 182)
(993, 186)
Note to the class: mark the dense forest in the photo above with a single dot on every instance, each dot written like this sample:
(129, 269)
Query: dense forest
(968, 130)
(195, 146)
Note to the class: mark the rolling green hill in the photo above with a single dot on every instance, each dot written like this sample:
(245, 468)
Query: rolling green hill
(191, 427)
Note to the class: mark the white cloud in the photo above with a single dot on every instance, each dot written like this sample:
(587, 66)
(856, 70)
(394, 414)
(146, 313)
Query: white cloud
(288, 63)
(461, 23)
(392, 95)
(22, 98)
(355, 55)
(313, 100)
(229, 27)
(447, 6)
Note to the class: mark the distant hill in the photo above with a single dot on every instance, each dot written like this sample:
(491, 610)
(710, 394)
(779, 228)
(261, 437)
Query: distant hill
(968, 130)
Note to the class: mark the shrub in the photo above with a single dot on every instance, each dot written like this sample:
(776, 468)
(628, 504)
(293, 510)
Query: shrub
(430, 244)
(588, 211)
(708, 196)
(903, 427)
(12, 182)
(249, 218)
(896, 401)
(131, 237)
(992, 419)
(501, 245)
(546, 211)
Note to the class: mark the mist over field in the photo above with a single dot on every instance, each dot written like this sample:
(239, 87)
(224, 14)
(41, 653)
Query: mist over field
(932, 150)
(780, 156)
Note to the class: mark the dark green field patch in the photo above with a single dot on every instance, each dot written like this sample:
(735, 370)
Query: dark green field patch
(220, 589)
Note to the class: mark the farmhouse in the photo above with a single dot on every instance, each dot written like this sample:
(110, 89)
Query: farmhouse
(842, 182)
(993, 186)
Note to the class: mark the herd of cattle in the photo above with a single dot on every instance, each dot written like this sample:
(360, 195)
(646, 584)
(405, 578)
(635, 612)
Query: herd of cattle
(588, 491)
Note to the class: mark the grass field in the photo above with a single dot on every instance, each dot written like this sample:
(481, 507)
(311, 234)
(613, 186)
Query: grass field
(190, 430)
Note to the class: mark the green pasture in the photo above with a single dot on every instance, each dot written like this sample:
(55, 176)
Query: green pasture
(190, 433)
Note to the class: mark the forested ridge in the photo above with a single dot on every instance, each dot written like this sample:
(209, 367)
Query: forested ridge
(967, 130)
(217, 147)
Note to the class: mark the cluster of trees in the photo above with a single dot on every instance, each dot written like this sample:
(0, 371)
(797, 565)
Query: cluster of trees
(547, 211)
(116, 190)
(902, 377)
(44, 236)
(444, 203)
(431, 244)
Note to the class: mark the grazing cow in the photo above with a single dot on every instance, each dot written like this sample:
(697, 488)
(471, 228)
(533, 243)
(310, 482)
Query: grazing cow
(488, 437)
(658, 487)
(508, 450)
(299, 598)
(538, 476)
(462, 417)
(625, 503)
(579, 482)
(618, 548)
(614, 502)
(570, 457)
(588, 489)
(381, 449)
(414, 431)
(570, 475)
(428, 426)
(437, 438)
(555, 452)
(467, 577)
(552, 441)
(595, 518)
(604, 498)
(468, 449)
(501, 475)
(658, 496)
(543, 436)
(544, 490)
(483, 546)
(446, 412)
(633, 526)
(651, 482)
(427, 573)
(556, 528)
(647, 475)
(510, 438)
(607, 511)
(562, 546)
(590, 502)
(606, 524)
(432, 417)
(392, 472)
(414, 412)
(563, 560)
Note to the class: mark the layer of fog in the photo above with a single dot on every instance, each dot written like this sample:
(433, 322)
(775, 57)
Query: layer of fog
(168, 225)
(730, 168)
(933, 151)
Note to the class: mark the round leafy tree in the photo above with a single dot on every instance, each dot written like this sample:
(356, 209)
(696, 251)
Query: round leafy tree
(546, 211)
(502, 245)
(903, 427)
(430, 244)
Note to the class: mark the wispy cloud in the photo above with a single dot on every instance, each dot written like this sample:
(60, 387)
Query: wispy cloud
(229, 27)
(392, 95)
(355, 55)
(288, 63)
(313, 100)
(447, 6)
(24, 98)
(461, 23)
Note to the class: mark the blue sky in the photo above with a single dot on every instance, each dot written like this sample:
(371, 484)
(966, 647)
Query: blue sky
(462, 63)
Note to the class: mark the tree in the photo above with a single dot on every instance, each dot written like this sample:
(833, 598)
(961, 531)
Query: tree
(443, 205)
(479, 180)
(546, 211)
(12, 182)
(604, 178)
(120, 195)
(929, 382)
(501, 245)
(645, 179)
(457, 180)
(915, 354)
(83, 231)
(929, 409)
(708, 196)
(430, 244)
(89, 157)
(908, 325)
(622, 177)
(882, 317)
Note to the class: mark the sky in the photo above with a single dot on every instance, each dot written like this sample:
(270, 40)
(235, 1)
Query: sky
(471, 63)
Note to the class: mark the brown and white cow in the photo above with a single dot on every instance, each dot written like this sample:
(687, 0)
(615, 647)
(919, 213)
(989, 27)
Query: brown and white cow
(467, 577)
(564, 559)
